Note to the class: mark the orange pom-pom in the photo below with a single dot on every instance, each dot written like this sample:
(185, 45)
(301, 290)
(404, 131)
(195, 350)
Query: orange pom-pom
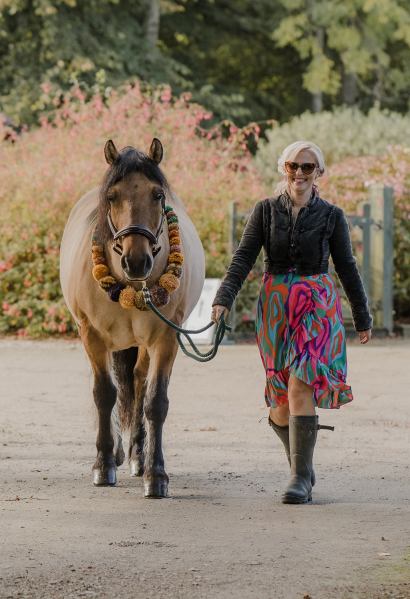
(176, 257)
(175, 241)
(97, 252)
(107, 282)
(173, 227)
(169, 282)
(98, 260)
(100, 271)
(174, 233)
(127, 297)
(175, 269)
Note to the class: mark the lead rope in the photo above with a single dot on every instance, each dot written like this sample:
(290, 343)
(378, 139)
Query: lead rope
(221, 328)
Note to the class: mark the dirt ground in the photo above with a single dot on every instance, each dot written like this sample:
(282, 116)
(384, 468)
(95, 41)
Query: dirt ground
(223, 532)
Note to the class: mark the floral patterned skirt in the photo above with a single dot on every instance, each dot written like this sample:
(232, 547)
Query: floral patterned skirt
(299, 329)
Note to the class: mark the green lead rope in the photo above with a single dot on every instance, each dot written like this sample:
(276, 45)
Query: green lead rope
(221, 328)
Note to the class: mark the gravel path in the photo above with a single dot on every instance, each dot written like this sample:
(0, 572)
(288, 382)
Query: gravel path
(223, 532)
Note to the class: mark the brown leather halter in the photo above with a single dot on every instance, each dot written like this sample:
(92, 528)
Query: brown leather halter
(136, 230)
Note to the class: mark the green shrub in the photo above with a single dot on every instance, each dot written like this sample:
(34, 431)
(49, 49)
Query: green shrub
(340, 134)
(46, 170)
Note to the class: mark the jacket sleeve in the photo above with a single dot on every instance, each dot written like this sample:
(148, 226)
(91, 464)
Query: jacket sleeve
(345, 264)
(243, 259)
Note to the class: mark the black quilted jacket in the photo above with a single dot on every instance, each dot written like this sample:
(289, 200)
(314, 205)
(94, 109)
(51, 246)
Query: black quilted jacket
(319, 231)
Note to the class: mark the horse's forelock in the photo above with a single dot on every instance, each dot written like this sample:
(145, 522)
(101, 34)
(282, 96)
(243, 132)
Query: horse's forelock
(128, 161)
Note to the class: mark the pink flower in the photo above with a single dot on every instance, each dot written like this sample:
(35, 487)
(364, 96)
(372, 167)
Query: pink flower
(4, 266)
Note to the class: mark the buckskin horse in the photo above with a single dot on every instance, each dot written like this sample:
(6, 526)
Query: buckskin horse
(131, 232)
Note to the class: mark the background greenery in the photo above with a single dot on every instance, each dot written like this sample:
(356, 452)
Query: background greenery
(245, 60)
(225, 85)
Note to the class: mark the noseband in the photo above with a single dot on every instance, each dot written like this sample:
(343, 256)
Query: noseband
(136, 230)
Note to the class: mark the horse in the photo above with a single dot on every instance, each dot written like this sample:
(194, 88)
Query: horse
(131, 351)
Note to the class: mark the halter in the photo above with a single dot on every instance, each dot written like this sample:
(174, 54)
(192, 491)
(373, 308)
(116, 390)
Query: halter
(136, 230)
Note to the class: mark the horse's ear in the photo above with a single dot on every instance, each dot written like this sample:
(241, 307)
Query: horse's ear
(156, 151)
(110, 151)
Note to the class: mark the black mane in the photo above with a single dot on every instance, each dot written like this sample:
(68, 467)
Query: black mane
(129, 160)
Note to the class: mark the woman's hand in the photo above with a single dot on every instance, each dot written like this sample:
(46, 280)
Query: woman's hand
(217, 312)
(365, 336)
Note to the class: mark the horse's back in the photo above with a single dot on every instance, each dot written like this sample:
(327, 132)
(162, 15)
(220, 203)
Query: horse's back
(194, 257)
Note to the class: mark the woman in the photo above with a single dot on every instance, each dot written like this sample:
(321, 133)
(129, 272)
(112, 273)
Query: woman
(299, 322)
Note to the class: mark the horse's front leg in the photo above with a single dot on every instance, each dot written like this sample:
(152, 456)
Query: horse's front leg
(104, 391)
(162, 357)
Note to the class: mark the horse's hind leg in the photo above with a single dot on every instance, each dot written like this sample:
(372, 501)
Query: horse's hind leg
(104, 469)
(123, 363)
(137, 433)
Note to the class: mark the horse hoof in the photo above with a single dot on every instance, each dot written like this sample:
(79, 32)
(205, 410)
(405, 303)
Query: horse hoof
(136, 469)
(106, 477)
(156, 489)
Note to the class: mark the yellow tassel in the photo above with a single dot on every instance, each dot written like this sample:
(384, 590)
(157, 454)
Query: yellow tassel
(169, 282)
(127, 297)
(100, 271)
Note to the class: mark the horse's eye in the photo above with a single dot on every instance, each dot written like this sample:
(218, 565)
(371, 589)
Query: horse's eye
(160, 196)
(112, 196)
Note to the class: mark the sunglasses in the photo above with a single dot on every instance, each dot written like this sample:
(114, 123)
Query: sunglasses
(307, 168)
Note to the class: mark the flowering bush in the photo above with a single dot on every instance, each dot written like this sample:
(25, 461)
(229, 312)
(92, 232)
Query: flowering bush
(346, 184)
(48, 169)
(340, 134)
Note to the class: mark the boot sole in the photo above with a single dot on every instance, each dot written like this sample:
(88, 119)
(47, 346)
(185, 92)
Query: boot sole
(289, 499)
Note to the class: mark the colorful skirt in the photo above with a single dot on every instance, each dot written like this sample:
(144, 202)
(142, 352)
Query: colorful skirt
(300, 332)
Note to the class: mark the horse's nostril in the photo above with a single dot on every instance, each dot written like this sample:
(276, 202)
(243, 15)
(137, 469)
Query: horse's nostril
(148, 262)
(125, 263)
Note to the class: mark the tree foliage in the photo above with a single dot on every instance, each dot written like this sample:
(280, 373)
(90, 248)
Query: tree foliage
(97, 43)
(244, 60)
(354, 49)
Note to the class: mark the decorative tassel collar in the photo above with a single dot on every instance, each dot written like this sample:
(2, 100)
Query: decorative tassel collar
(126, 295)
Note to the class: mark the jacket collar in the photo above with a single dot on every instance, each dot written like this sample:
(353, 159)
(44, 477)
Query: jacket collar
(285, 202)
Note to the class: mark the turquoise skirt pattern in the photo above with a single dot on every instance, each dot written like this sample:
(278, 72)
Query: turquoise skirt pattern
(300, 332)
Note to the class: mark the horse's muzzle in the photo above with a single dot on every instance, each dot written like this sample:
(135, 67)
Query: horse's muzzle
(137, 270)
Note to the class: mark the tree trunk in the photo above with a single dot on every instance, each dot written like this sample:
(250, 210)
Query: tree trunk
(317, 102)
(317, 97)
(349, 88)
(153, 21)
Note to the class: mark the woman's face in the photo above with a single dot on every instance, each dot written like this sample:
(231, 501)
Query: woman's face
(301, 182)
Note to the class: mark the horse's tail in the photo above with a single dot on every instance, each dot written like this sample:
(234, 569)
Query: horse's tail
(123, 363)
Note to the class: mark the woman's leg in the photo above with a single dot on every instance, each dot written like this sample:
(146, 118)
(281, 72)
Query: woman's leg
(279, 416)
(302, 440)
(300, 397)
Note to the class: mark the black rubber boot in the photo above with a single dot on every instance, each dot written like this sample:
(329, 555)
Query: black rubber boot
(283, 434)
(302, 440)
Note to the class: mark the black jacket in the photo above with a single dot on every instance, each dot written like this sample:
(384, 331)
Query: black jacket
(320, 231)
